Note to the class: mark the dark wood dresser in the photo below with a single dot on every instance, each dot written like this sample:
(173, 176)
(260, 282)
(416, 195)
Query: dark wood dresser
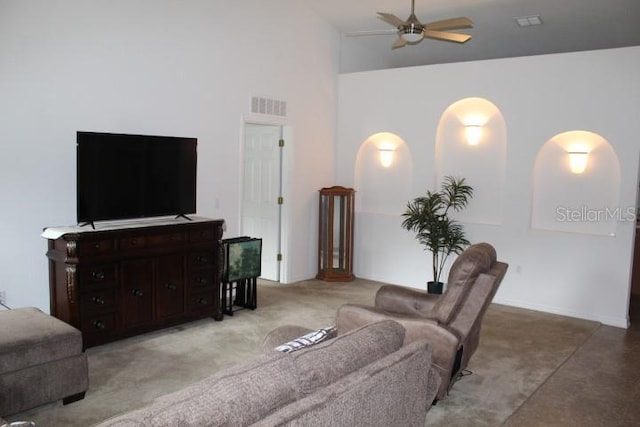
(116, 283)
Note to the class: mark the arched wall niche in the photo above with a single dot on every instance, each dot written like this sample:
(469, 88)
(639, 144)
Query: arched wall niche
(483, 165)
(586, 202)
(383, 189)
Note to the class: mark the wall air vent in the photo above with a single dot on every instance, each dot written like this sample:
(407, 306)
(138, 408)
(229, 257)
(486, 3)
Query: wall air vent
(269, 106)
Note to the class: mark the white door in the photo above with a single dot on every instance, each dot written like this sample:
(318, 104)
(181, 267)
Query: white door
(261, 190)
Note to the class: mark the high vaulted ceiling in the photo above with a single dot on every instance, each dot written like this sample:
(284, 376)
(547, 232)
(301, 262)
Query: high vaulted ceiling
(567, 25)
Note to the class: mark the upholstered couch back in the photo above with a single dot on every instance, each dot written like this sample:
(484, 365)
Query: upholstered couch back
(365, 377)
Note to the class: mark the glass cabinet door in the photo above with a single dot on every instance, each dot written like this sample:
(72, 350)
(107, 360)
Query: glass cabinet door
(335, 242)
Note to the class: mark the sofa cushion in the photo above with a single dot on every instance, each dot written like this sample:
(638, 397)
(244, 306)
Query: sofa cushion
(474, 260)
(329, 361)
(29, 337)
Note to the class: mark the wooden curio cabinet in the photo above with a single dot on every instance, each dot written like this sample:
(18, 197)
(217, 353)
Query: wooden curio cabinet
(335, 242)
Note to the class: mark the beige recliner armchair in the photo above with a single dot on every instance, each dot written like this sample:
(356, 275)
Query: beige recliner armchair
(451, 322)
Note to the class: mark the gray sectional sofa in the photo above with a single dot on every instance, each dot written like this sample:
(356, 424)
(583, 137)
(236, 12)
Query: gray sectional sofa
(366, 377)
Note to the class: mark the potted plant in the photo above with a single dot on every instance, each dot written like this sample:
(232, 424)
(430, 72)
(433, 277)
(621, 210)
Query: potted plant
(428, 217)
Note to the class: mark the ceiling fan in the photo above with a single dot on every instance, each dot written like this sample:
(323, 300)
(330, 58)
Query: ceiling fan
(412, 31)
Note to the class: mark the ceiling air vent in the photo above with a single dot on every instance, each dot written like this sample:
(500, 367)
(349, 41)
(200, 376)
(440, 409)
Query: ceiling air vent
(269, 106)
(528, 21)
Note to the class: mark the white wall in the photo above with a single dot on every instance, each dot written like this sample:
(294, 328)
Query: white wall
(163, 67)
(579, 275)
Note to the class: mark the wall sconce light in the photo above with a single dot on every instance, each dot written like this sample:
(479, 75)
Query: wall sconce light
(386, 156)
(578, 161)
(473, 134)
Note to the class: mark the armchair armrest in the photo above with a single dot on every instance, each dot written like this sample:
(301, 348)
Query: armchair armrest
(444, 343)
(400, 299)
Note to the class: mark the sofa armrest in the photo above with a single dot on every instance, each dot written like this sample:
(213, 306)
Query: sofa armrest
(400, 299)
(281, 335)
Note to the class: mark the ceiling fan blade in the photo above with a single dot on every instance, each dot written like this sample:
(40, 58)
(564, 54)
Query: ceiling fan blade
(371, 33)
(399, 43)
(450, 37)
(450, 24)
(391, 19)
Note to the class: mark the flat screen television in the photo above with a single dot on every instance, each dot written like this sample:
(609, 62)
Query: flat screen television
(122, 176)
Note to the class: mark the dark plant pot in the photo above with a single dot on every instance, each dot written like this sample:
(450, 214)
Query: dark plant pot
(434, 287)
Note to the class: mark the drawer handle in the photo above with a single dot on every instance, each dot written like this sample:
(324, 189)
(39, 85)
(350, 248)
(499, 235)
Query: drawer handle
(99, 324)
(97, 246)
(203, 280)
(133, 242)
(171, 286)
(202, 301)
(137, 293)
(98, 300)
(99, 275)
(202, 259)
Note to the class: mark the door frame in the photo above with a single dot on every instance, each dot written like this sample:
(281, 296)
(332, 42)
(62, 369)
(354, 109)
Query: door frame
(286, 168)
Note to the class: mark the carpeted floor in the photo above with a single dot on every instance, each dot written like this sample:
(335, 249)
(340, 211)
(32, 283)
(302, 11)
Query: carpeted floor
(519, 351)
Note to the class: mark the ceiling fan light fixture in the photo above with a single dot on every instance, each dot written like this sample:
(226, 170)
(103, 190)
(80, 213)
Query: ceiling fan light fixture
(411, 34)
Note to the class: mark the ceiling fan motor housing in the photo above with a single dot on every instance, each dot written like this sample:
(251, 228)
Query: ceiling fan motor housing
(411, 31)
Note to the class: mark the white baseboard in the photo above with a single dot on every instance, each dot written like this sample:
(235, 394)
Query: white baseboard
(618, 322)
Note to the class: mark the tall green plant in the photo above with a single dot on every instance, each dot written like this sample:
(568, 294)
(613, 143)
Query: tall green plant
(428, 217)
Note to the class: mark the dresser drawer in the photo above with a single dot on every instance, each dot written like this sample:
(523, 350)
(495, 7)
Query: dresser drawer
(201, 301)
(96, 247)
(104, 324)
(98, 299)
(203, 235)
(152, 241)
(99, 273)
(168, 240)
(132, 242)
(199, 260)
(201, 279)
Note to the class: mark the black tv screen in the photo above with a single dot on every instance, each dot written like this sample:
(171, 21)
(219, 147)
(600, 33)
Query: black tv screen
(121, 176)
